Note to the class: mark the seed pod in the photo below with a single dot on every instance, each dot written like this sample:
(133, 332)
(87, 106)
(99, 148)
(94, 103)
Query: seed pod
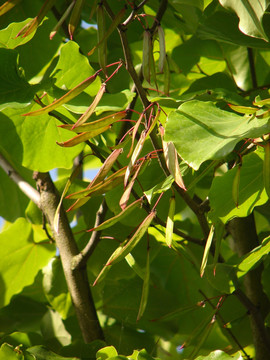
(66, 98)
(235, 186)
(166, 70)
(170, 222)
(91, 108)
(34, 23)
(162, 49)
(171, 159)
(122, 251)
(8, 5)
(130, 245)
(207, 249)
(63, 18)
(101, 30)
(135, 155)
(147, 46)
(102, 187)
(74, 174)
(94, 125)
(75, 17)
(125, 197)
(266, 168)
(123, 214)
(78, 139)
(103, 171)
(145, 289)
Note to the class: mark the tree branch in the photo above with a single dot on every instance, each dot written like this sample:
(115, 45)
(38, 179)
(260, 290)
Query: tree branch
(243, 231)
(142, 93)
(25, 187)
(81, 259)
(77, 280)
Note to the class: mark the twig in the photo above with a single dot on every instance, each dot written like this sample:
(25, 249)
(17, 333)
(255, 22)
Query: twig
(224, 325)
(81, 259)
(155, 141)
(25, 187)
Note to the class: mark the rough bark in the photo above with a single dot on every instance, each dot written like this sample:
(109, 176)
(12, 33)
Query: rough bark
(244, 233)
(77, 280)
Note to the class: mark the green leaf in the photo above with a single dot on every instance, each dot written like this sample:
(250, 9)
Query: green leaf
(31, 141)
(7, 352)
(14, 89)
(41, 353)
(106, 353)
(55, 288)
(21, 258)
(115, 102)
(67, 76)
(12, 195)
(215, 131)
(159, 188)
(220, 355)
(255, 256)
(221, 277)
(250, 15)
(8, 37)
(223, 26)
(143, 355)
(251, 191)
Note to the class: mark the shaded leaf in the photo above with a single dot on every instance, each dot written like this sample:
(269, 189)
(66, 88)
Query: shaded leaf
(15, 91)
(250, 14)
(251, 190)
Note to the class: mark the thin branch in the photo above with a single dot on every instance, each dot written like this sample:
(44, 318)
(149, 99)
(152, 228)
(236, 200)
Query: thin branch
(25, 187)
(81, 259)
(155, 140)
(223, 322)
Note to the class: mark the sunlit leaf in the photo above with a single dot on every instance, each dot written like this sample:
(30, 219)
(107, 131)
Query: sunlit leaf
(215, 131)
(22, 258)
